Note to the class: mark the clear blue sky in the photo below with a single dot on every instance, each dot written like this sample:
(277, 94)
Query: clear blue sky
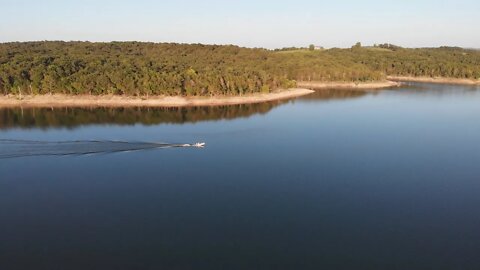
(251, 23)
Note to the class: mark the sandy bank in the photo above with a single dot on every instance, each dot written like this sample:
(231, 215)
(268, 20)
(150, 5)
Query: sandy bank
(347, 85)
(435, 80)
(152, 101)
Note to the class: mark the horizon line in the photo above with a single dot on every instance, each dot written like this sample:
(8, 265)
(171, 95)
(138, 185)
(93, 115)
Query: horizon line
(228, 44)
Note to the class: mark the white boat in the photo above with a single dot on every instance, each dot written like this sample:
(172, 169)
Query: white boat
(199, 145)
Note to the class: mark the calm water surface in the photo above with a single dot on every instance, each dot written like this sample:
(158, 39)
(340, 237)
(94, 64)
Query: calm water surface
(335, 180)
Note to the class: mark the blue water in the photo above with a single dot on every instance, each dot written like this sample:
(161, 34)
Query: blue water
(376, 180)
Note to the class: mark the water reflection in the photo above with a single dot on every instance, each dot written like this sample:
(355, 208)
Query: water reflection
(408, 88)
(432, 89)
(335, 94)
(74, 117)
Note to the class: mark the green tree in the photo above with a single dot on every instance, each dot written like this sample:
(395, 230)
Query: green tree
(357, 45)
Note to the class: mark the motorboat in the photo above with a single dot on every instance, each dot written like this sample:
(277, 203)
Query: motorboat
(199, 145)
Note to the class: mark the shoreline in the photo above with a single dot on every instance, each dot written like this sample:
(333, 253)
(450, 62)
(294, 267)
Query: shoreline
(303, 88)
(438, 80)
(348, 85)
(60, 100)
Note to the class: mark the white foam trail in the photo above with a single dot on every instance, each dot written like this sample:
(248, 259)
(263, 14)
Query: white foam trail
(26, 148)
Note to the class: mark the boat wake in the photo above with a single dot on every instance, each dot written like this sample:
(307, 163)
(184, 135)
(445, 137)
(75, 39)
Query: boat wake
(26, 148)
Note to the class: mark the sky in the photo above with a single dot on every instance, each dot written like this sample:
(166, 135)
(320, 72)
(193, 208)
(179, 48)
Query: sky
(249, 23)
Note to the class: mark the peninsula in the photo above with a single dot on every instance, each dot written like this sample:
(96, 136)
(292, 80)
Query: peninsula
(60, 100)
(167, 74)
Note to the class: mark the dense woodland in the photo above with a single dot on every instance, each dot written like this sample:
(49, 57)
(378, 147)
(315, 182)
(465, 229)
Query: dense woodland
(142, 69)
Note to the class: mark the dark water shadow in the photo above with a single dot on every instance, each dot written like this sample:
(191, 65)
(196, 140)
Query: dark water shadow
(435, 89)
(335, 94)
(419, 89)
(45, 118)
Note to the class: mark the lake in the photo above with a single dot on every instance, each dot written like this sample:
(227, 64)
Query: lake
(336, 180)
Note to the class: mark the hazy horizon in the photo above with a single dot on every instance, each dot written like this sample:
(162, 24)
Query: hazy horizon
(269, 24)
(305, 46)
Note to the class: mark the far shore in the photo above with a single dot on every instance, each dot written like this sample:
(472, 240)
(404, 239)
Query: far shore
(348, 85)
(58, 100)
(440, 80)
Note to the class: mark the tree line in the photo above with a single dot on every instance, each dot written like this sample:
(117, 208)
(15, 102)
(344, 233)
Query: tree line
(142, 69)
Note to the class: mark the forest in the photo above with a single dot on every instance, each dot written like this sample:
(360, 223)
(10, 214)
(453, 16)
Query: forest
(143, 69)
